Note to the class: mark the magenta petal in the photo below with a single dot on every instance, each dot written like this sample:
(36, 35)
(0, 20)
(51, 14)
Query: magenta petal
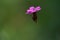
(29, 12)
(31, 8)
(38, 8)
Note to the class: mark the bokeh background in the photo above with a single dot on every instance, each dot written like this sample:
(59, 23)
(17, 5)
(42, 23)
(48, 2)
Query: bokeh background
(16, 25)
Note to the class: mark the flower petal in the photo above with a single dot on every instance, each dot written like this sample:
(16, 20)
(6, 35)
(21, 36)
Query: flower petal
(32, 8)
(28, 12)
(38, 8)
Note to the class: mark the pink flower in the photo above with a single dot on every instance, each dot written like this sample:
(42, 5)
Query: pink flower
(32, 9)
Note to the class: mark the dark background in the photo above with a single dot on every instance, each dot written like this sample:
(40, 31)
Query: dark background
(16, 25)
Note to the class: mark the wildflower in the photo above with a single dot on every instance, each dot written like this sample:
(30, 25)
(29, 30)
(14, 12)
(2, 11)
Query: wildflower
(32, 9)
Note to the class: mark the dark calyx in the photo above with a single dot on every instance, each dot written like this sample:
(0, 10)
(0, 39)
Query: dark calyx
(34, 17)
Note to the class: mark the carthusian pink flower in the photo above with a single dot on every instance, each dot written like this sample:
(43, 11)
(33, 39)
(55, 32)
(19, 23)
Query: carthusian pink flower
(32, 9)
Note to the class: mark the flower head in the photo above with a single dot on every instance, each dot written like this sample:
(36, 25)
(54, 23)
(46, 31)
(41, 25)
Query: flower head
(32, 9)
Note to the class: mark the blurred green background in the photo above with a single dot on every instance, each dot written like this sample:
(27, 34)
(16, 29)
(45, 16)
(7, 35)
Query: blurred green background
(16, 25)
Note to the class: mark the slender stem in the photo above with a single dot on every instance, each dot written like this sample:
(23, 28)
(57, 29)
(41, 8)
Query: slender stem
(34, 17)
